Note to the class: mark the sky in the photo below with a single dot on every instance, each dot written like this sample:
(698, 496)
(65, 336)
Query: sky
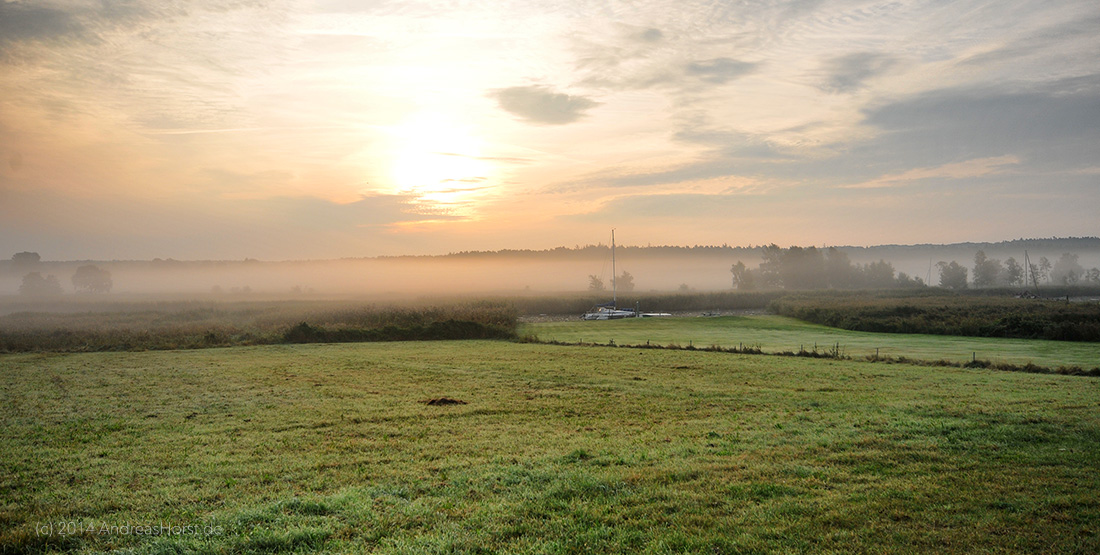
(298, 129)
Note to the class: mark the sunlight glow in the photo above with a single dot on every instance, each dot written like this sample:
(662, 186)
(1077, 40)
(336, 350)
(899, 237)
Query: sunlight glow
(437, 161)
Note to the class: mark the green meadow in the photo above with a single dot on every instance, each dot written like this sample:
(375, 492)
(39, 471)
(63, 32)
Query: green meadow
(556, 449)
(774, 334)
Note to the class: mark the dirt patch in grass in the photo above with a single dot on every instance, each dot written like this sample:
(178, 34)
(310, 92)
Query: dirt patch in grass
(441, 401)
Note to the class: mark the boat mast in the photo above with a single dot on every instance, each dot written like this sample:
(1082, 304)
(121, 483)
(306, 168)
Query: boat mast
(614, 284)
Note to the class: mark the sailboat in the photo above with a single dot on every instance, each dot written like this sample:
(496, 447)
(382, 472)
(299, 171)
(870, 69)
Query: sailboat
(611, 310)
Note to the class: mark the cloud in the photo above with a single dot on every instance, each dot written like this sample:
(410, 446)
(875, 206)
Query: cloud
(1051, 40)
(660, 206)
(1057, 124)
(849, 73)
(719, 70)
(725, 142)
(502, 159)
(197, 226)
(376, 210)
(651, 35)
(949, 134)
(981, 167)
(23, 22)
(541, 105)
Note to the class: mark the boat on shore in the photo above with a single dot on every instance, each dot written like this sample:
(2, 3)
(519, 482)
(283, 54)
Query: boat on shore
(611, 310)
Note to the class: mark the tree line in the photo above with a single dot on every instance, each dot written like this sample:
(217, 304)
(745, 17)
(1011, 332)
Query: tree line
(813, 268)
(87, 279)
(807, 268)
(991, 272)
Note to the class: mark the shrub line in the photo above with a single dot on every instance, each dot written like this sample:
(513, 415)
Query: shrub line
(833, 353)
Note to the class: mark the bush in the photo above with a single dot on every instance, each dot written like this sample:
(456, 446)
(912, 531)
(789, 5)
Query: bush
(977, 316)
(188, 325)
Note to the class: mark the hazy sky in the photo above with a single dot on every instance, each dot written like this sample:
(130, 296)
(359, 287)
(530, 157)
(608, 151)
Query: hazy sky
(319, 129)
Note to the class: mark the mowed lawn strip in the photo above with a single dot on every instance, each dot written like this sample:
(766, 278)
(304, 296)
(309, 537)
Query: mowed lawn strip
(782, 334)
(556, 450)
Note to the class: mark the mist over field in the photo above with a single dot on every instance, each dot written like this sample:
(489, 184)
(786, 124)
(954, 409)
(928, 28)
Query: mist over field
(562, 270)
(405, 277)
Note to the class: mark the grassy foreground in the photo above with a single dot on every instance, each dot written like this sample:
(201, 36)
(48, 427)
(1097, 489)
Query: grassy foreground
(779, 333)
(296, 448)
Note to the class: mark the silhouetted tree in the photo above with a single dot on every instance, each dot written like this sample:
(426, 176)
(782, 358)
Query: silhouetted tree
(771, 268)
(1012, 273)
(1032, 277)
(595, 283)
(953, 275)
(1093, 276)
(904, 280)
(624, 282)
(879, 275)
(742, 277)
(91, 279)
(34, 285)
(802, 268)
(986, 270)
(1044, 269)
(25, 260)
(838, 269)
(1067, 270)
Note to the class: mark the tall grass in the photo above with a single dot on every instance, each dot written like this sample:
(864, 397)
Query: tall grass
(192, 325)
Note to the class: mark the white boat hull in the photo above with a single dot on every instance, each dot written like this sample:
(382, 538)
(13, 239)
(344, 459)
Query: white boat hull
(605, 313)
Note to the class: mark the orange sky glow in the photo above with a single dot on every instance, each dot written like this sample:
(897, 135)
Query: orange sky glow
(334, 128)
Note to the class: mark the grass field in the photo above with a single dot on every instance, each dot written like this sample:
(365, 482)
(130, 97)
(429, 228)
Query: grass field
(779, 333)
(331, 448)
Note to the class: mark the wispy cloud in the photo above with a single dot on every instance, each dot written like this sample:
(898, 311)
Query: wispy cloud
(851, 72)
(27, 22)
(981, 167)
(719, 70)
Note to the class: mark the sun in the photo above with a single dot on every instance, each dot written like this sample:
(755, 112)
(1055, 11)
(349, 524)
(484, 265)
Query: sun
(437, 161)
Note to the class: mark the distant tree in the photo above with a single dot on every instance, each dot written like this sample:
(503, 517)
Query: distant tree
(802, 268)
(684, 288)
(904, 280)
(770, 269)
(595, 283)
(25, 260)
(986, 270)
(1012, 274)
(624, 282)
(838, 269)
(91, 279)
(1044, 269)
(742, 277)
(953, 275)
(879, 275)
(1067, 270)
(1032, 276)
(34, 285)
(1093, 276)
